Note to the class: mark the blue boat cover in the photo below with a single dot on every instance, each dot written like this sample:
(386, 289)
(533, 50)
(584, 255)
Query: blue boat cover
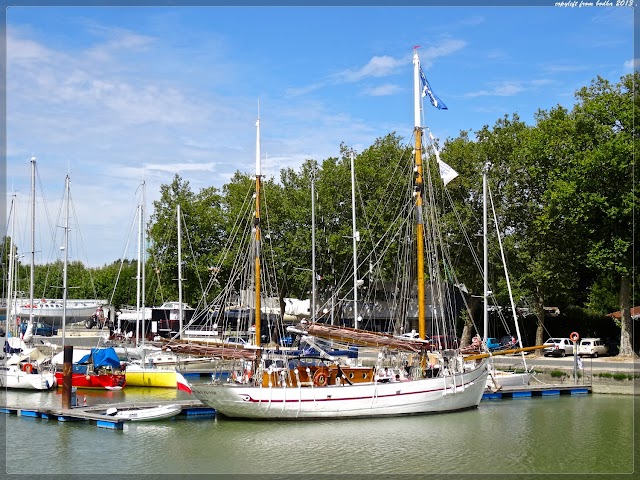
(75, 368)
(102, 357)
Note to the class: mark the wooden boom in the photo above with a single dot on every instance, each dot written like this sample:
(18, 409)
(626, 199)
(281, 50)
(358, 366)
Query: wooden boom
(478, 356)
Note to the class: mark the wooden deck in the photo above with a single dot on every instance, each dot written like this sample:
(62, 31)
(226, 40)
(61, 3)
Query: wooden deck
(526, 391)
(94, 413)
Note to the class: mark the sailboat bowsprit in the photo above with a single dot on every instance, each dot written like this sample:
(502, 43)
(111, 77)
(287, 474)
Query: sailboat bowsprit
(403, 376)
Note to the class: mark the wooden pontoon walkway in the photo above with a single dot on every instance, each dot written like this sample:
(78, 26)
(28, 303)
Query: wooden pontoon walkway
(95, 413)
(525, 391)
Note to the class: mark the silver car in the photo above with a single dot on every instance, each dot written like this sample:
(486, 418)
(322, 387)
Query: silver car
(593, 347)
(558, 347)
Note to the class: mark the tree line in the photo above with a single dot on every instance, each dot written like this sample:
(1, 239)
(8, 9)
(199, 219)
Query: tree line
(563, 191)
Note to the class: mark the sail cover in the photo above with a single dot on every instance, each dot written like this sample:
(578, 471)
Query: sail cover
(102, 357)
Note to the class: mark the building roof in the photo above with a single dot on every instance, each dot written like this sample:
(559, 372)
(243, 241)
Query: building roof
(635, 313)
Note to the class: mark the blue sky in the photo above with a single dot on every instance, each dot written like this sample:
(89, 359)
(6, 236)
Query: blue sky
(115, 95)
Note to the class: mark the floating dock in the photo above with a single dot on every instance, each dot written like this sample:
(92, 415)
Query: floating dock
(92, 414)
(527, 391)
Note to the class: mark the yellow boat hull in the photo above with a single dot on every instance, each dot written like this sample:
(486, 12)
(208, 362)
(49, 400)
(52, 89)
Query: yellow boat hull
(151, 378)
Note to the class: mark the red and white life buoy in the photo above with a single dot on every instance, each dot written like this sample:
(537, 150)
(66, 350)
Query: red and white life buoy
(321, 377)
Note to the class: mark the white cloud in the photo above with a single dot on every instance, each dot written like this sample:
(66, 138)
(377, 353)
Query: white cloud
(382, 90)
(505, 89)
(443, 49)
(180, 167)
(378, 66)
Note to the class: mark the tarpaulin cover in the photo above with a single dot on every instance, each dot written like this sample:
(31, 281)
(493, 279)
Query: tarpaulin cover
(102, 357)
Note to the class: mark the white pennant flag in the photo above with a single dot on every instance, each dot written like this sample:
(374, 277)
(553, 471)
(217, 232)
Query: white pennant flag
(446, 172)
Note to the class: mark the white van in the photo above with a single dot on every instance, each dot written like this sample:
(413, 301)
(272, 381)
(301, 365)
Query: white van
(592, 346)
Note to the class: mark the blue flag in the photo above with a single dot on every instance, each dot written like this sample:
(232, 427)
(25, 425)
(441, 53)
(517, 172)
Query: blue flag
(426, 91)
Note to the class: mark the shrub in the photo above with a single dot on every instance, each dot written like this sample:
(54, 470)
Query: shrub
(618, 376)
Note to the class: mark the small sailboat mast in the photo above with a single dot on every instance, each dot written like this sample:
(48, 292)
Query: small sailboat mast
(313, 244)
(139, 314)
(180, 313)
(142, 259)
(485, 256)
(12, 261)
(257, 234)
(33, 238)
(66, 262)
(356, 235)
(419, 188)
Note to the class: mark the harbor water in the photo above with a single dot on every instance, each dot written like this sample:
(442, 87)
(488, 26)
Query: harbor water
(562, 434)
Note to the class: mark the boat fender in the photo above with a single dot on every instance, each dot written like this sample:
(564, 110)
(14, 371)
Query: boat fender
(574, 336)
(321, 377)
(27, 368)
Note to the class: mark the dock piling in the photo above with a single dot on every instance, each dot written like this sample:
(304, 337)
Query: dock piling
(66, 376)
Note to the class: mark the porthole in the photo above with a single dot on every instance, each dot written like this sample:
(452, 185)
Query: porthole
(351, 375)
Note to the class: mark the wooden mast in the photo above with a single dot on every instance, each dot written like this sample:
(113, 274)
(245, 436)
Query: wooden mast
(257, 235)
(419, 188)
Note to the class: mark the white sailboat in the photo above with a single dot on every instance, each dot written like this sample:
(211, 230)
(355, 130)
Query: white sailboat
(25, 367)
(48, 309)
(147, 372)
(323, 386)
(499, 378)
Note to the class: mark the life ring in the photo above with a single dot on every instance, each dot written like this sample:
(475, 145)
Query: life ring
(321, 377)
(574, 336)
(27, 368)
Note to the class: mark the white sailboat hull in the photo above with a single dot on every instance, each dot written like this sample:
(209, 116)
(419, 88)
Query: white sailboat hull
(55, 310)
(424, 396)
(12, 377)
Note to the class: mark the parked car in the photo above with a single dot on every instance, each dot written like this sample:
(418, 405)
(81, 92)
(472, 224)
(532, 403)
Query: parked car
(592, 346)
(493, 343)
(558, 347)
(40, 328)
(508, 340)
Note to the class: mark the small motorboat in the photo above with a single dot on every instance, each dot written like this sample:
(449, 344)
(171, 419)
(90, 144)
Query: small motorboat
(145, 414)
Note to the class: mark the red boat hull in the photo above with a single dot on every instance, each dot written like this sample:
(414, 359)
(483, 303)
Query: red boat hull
(108, 381)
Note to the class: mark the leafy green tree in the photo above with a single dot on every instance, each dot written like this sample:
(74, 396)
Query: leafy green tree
(202, 236)
(598, 195)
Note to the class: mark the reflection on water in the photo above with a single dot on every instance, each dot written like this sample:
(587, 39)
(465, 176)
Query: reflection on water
(586, 434)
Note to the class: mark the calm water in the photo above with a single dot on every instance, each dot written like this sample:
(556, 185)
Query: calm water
(584, 434)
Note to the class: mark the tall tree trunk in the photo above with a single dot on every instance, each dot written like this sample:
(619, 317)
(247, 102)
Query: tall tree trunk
(540, 316)
(626, 344)
(469, 321)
